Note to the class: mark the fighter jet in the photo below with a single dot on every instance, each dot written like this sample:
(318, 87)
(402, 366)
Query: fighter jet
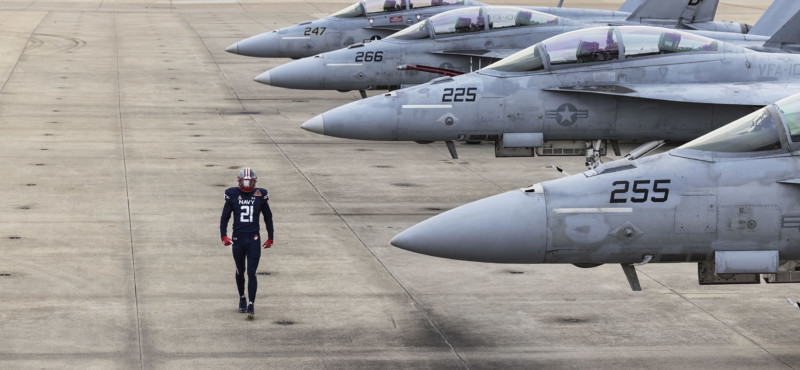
(728, 201)
(450, 43)
(363, 21)
(593, 85)
(375, 19)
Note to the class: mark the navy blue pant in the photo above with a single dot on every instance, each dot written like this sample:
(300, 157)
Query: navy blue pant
(247, 248)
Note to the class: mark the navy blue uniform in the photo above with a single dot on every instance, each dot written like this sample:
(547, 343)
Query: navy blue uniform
(246, 209)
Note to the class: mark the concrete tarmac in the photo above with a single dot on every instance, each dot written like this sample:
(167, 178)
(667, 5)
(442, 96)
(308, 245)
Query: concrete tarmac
(121, 124)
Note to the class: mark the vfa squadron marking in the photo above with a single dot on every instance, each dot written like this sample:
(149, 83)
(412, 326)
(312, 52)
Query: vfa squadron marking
(778, 70)
(567, 114)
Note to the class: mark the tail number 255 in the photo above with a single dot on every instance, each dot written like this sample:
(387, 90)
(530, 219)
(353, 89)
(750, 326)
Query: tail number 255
(640, 189)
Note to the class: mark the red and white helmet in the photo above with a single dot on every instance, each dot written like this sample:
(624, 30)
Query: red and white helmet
(247, 180)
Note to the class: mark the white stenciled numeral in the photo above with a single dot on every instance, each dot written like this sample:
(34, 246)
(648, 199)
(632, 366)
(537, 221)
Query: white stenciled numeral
(247, 214)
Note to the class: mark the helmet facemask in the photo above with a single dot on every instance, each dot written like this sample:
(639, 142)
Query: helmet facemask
(247, 180)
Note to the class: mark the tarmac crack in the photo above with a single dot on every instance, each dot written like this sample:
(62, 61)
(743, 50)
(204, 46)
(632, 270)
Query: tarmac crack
(16, 63)
(216, 63)
(127, 194)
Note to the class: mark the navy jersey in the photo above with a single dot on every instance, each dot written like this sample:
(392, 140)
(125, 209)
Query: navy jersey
(246, 209)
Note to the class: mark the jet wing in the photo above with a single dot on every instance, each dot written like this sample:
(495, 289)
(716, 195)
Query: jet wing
(494, 53)
(754, 94)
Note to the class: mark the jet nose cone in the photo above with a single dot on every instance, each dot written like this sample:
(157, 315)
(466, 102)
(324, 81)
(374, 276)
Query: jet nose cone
(233, 49)
(265, 45)
(307, 74)
(315, 125)
(506, 228)
(263, 78)
(363, 120)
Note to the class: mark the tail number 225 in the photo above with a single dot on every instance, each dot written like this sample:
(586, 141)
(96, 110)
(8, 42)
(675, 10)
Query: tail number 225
(460, 94)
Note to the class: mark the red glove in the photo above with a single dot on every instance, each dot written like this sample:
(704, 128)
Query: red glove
(226, 240)
(267, 243)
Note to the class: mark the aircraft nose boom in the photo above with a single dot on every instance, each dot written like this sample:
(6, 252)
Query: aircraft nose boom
(506, 228)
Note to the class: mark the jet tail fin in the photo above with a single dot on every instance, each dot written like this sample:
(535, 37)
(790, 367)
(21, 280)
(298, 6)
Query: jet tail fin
(702, 11)
(787, 36)
(630, 5)
(659, 10)
(684, 11)
(777, 15)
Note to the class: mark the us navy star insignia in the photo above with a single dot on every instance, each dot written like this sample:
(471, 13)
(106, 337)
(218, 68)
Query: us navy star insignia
(567, 114)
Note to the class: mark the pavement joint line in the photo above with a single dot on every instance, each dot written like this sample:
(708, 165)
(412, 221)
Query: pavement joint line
(23, 52)
(314, 5)
(211, 55)
(241, 6)
(127, 194)
(717, 319)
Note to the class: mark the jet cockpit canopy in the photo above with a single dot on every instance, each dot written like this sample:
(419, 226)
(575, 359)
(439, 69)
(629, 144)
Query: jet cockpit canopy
(370, 7)
(602, 44)
(476, 19)
(754, 132)
(767, 129)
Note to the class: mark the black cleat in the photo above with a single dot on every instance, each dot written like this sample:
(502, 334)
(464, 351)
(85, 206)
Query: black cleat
(242, 305)
(250, 312)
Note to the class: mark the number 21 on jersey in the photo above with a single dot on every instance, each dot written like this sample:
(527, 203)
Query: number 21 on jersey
(247, 214)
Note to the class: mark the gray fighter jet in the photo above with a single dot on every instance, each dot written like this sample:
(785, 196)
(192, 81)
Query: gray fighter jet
(450, 43)
(363, 21)
(453, 42)
(593, 85)
(729, 201)
(375, 19)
